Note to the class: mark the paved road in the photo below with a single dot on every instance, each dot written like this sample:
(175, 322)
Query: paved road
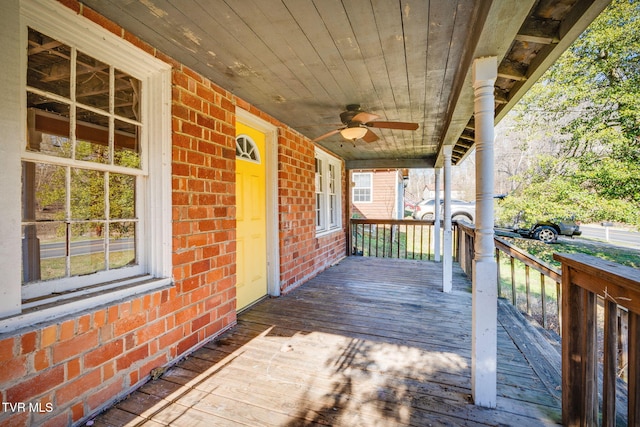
(57, 250)
(617, 236)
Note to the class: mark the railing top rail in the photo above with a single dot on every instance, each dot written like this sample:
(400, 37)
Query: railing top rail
(612, 281)
(390, 221)
(466, 227)
(528, 259)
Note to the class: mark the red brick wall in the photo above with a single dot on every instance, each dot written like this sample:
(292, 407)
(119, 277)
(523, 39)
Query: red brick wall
(79, 364)
(302, 254)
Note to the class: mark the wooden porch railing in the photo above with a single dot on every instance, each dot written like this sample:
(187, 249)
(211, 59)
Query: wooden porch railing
(586, 287)
(585, 279)
(536, 298)
(392, 238)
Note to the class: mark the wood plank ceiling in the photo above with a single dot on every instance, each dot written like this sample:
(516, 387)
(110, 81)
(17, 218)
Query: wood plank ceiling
(303, 61)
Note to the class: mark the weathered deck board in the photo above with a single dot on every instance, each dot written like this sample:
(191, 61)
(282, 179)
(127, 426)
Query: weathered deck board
(369, 342)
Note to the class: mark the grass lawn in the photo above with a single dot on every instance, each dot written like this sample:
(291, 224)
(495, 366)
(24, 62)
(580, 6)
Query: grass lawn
(624, 256)
(543, 251)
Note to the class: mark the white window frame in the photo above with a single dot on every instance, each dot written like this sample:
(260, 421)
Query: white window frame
(355, 187)
(153, 195)
(325, 191)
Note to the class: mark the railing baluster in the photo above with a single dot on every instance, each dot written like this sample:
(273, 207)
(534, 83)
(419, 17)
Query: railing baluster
(429, 230)
(498, 275)
(528, 287)
(420, 239)
(623, 344)
(406, 238)
(513, 282)
(543, 296)
(384, 241)
(609, 365)
(591, 359)
(559, 305)
(413, 245)
(634, 369)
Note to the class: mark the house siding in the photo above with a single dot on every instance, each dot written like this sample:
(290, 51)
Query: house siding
(383, 204)
(83, 363)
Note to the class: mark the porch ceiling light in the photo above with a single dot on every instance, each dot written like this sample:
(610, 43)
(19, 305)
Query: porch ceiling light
(353, 133)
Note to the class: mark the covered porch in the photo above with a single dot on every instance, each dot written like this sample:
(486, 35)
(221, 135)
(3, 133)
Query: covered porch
(370, 341)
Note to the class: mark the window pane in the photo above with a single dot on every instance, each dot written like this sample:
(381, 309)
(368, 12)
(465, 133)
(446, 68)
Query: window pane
(319, 180)
(48, 126)
(43, 251)
(127, 96)
(49, 64)
(92, 82)
(362, 179)
(126, 149)
(43, 192)
(332, 210)
(122, 244)
(87, 194)
(92, 136)
(122, 196)
(87, 248)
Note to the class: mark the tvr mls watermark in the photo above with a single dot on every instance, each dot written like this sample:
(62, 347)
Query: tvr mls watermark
(27, 407)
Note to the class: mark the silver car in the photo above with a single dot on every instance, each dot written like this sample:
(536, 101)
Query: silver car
(460, 210)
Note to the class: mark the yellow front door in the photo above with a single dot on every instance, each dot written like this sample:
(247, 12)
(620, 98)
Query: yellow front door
(251, 255)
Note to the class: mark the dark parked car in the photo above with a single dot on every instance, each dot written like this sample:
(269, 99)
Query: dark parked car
(546, 231)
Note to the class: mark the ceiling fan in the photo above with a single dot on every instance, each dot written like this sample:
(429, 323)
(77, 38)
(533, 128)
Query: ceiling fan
(357, 123)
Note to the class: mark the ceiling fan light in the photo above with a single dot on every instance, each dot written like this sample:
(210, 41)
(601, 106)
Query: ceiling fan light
(353, 133)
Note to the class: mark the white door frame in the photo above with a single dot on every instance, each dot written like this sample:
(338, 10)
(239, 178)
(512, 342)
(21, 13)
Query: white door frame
(271, 163)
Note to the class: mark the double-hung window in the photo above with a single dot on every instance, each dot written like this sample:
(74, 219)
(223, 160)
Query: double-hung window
(362, 187)
(95, 178)
(328, 176)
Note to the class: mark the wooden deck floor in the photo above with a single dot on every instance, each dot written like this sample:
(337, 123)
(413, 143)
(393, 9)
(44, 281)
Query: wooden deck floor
(369, 342)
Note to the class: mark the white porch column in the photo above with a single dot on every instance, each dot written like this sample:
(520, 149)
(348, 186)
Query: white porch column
(484, 305)
(436, 217)
(447, 259)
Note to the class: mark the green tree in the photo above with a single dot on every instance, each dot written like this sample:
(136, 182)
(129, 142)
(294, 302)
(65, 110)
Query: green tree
(590, 100)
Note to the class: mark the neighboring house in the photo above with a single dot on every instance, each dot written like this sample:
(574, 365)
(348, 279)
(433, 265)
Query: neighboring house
(378, 194)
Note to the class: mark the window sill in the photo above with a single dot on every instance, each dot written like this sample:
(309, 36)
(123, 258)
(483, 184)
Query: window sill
(55, 306)
(324, 233)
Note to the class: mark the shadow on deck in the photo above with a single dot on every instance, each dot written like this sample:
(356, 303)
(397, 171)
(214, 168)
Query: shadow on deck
(369, 342)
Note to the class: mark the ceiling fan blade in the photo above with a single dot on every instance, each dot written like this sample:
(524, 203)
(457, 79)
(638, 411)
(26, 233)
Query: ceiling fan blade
(364, 117)
(327, 135)
(393, 125)
(370, 136)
